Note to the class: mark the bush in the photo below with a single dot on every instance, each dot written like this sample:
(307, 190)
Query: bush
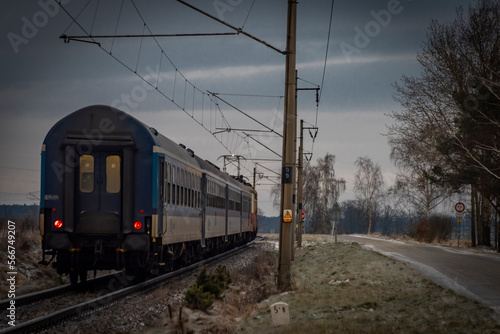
(436, 228)
(196, 298)
(422, 230)
(208, 287)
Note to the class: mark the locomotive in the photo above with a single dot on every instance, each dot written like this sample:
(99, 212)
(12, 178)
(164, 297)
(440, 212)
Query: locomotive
(117, 194)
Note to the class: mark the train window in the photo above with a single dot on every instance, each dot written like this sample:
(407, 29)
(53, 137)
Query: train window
(161, 181)
(188, 189)
(191, 199)
(113, 174)
(180, 186)
(193, 202)
(167, 179)
(197, 192)
(198, 187)
(209, 191)
(86, 173)
(210, 199)
(181, 182)
(183, 187)
(178, 180)
(195, 177)
(193, 194)
(174, 185)
(185, 176)
(238, 201)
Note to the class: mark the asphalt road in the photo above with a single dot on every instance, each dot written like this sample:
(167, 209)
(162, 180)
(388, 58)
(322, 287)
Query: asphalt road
(471, 274)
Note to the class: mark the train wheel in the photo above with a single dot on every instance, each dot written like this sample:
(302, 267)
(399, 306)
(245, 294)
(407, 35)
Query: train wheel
(73, 277)
(83, 276)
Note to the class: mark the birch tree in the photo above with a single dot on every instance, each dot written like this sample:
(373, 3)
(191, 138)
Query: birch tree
(368, 185)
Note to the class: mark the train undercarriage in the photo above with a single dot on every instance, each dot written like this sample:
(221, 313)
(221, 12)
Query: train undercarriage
(105, 253)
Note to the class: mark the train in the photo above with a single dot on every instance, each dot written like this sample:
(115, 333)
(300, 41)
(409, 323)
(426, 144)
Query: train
(118, 195)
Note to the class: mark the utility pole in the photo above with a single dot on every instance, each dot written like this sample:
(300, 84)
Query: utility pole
(288, 160)
(300, 169)
(294, 181)
(254, 174)
(300, 182)
(300, 166)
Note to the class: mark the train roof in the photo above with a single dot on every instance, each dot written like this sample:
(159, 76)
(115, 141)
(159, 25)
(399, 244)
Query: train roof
(98, 122)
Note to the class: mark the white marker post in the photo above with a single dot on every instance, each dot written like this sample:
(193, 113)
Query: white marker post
(280, 314)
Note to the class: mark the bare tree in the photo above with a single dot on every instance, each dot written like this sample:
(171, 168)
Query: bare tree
(321, 191)
(331, 188)
(368, 184)
(450, 118)
(419, 191)
(453, 106)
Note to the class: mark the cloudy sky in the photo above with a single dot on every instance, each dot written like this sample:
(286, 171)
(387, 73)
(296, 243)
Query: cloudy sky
(167, 82)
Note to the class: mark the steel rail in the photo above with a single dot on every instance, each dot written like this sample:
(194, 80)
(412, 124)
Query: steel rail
(51, 292)
(88, 307)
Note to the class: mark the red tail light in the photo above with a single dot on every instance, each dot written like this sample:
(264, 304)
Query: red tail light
(137, 225)
(58, 224)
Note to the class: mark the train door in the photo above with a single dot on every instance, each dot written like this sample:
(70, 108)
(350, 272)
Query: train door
(98, 195)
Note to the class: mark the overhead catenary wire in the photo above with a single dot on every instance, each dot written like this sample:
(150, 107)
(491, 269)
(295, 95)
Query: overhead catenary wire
(326, 56)
(177, 75)
(247, 115)
(239, 30)
(248, 14)
(181, 102)
(230, 140)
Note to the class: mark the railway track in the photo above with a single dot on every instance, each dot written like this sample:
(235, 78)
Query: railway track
(119, 288)
(34, 297)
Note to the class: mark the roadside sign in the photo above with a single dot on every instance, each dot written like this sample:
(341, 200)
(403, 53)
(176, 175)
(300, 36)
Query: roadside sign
(303, 214)
(460, 207)
(287, 216)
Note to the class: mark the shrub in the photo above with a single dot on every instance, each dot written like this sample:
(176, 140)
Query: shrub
(208, 287)
(437, 228)
(196, 298)
(422, 230)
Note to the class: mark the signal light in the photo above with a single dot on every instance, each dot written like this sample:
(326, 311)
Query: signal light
(58, 224)
(137, 225)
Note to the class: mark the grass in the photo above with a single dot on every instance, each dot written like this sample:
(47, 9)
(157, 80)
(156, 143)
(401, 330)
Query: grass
(30, 275)
(341, 288)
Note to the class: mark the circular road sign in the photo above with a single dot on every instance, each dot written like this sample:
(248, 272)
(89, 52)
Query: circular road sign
(460, 207)
(303, 214)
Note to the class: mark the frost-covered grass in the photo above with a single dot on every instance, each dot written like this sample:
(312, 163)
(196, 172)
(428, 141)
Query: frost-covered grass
(342, 288)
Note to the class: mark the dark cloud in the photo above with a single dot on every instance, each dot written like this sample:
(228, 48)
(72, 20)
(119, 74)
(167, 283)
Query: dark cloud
(43, 78)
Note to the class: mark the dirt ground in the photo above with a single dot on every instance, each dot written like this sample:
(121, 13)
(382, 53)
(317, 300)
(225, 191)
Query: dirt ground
(342, 288)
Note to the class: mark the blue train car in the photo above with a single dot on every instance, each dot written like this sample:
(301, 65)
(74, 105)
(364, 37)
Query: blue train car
(117, 194)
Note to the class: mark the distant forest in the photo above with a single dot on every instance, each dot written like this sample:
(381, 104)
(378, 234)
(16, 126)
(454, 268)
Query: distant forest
(269, 224)
(19, 211)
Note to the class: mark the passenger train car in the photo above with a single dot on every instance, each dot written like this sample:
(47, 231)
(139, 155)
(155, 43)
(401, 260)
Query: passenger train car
(117, 194)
